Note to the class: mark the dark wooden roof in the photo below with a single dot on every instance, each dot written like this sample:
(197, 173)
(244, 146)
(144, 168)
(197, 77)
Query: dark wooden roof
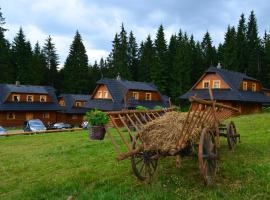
(234, 80)
(70, 99)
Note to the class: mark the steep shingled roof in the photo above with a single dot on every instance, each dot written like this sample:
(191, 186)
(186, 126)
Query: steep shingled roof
(7, 89)
(234, 80)
(69, 103)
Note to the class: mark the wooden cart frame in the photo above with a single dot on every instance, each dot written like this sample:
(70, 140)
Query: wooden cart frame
(203, 114)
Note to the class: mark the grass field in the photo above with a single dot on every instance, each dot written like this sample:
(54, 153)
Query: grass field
(55, 166)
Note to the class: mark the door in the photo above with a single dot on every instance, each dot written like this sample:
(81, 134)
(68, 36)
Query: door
(29, 116)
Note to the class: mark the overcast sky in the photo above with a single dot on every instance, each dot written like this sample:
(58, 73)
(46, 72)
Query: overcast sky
(99, 20)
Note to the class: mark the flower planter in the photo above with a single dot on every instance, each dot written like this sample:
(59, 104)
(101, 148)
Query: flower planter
(97, 132)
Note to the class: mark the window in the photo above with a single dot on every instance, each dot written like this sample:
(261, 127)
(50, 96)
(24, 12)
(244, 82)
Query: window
(245, 85)
(16, 98)
(29, 98)
(216, 84)
(74, 117)
(62, 102)
(148, 96)
(105, 94)
(135, 95)
(78, 104)
(46, 115)
(206, 84)
(253, 87)
(11, 116)
(43, 98)
(100, 94)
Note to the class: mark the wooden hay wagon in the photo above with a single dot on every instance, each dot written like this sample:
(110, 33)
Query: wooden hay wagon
(206, 116)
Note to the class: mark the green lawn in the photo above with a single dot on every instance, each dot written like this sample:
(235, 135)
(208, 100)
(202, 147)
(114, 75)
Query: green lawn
(55, 166)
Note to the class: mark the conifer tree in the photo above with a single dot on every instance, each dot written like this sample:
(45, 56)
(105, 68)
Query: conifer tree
(75, 71)
(208, 50)
(94, 76)
(229, 50)
(6, 68)
(159, 73)
(39, 66)
(132, 51)
(52, 61)
(22, 59)
(266, 61)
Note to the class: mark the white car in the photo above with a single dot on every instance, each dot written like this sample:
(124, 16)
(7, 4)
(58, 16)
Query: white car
(2, 130)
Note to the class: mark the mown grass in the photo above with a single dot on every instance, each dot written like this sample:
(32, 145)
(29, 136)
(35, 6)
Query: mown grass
(55, 166)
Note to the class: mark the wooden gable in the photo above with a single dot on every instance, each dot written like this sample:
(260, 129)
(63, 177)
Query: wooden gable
(211, 78)
(143, 95)
(101, 92)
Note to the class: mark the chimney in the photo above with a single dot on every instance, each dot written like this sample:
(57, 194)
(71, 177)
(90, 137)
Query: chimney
(17, 83)
(118, 77)
(219, 66)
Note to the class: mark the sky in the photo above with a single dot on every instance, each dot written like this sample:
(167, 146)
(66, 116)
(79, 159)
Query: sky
(99, 20)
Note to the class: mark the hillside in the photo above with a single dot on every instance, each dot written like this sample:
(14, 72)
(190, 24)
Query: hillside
(55, 166)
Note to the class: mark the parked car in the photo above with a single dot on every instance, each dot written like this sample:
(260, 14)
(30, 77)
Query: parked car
(33, 125)
(61, 125)
(85, 125)
(2, 130)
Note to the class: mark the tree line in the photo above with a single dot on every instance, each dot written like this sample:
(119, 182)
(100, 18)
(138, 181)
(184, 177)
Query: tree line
(174, 65)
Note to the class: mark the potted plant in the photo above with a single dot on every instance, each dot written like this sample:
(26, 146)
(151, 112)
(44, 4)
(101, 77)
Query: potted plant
(97, 119)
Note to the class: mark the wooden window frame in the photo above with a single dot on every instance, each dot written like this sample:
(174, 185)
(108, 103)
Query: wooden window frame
(105, 94)
(46, 115)
(100, 93)
(135, 95)
(18, 97)
(150, 96)
(62, 103)
(45, 98)
(245, 85)
(30, 96)
(74, 117)
(78, 104)
(204, 85)
(216, 81)
(13, 116)
(254, 87)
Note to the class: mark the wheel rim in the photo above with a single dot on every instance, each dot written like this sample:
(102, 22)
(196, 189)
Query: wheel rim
(207, 156)
(143, 165)
(231, 132)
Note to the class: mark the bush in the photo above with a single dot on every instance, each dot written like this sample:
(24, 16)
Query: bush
(141, 108)
(158, 108)
(97, 118)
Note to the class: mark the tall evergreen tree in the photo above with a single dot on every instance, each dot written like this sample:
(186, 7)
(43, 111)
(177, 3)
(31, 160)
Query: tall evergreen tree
(22, 59)
(241, 45)
(39, 66)
(208, 50)
(254, 47)
(132, 51)
(6, 68)
(160, 71)
(266, 61)
(52, 61)
(94, 75)
(75, 71)
(147, 60)
(229, 50)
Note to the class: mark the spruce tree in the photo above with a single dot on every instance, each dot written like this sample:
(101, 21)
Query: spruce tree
(266, 61)
(6, 68)
(160, 71)
(52, 61)
(147, 60)
(132, 51)
(39, 65)
(241, 45)
(22, 59)
(94, 75)
(229, 50)
(209, 52)
(75, 71)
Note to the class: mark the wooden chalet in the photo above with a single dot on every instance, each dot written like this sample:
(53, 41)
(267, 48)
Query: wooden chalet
(23, 102)
(117, 94)
(231, 88)
(72, 108)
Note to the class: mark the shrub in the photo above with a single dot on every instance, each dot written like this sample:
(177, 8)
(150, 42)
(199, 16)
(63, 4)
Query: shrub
(158, 108)
(141, 108)
(96, 118)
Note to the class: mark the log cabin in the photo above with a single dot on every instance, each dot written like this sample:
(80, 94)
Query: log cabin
(72, 108)
(231, 88)
(23, 102)
(117, 94)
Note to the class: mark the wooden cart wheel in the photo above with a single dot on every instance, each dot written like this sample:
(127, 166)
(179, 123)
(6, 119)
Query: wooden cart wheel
(207, 156)
(231, 135)
(143, 165)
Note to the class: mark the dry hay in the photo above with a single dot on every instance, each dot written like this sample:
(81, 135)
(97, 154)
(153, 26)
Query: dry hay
(164, 132)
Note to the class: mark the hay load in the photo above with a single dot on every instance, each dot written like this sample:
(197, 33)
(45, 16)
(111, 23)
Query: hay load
(164, 132)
